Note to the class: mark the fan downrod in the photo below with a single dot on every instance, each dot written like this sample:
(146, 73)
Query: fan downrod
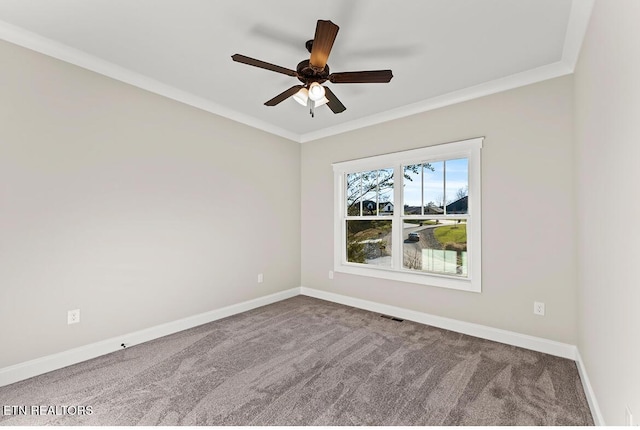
(309, 45)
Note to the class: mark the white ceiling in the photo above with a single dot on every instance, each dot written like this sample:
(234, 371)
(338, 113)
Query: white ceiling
(440, 51)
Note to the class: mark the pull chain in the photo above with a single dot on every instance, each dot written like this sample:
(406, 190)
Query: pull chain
(312, 105)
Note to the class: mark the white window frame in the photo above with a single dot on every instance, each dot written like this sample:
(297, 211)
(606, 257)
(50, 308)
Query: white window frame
(469, 149)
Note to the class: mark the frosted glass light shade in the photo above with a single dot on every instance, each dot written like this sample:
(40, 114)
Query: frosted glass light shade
(302, 96)
(322, 101)
(316, 91)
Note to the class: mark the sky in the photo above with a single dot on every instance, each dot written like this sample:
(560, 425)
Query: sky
(446, 179)
(440, 183)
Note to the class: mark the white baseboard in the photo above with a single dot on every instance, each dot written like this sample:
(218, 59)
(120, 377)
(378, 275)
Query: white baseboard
(546, 346)
(28, 369)
(588, 391)
(38, 366)
(503, 336)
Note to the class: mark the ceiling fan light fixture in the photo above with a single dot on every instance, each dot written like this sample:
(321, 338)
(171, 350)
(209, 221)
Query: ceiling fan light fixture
(316, 92)
(302, 96)
(322, 101)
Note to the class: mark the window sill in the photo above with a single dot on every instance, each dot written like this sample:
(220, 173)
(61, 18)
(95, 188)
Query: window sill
(433, 280)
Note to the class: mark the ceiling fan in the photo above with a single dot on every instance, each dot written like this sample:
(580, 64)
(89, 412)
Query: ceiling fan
(315, 71)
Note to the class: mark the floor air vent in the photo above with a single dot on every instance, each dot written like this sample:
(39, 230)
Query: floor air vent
(389, 317)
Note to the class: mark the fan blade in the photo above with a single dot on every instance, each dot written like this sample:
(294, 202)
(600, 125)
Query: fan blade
(334, 104)
(284, 95)
(326, 33)
(263, 65)
(368, 77)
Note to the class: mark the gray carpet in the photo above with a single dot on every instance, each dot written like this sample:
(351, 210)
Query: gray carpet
(304, 361)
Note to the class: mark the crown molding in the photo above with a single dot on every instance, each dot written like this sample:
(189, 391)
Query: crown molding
(576, 29)
(51, 48)
(503, 84)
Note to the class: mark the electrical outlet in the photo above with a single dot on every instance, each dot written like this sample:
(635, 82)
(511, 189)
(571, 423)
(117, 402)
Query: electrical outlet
(538, 308)
(330, 274)
(73, 317)
(628, 417)
(260, 278)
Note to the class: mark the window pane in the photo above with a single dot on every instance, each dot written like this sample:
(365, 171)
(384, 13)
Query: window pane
(353, 194)
(457, 186)
(385, 189)
(370, 193)
(434, 188)
(369, 242)
(436, 246)
(412, 189)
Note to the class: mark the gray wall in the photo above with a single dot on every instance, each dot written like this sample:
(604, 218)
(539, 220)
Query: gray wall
(527, 209)
(139, 210)
(134, 208)
(607, 131)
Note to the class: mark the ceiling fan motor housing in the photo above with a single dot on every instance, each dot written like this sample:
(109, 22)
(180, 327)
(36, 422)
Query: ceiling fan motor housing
(308, 73)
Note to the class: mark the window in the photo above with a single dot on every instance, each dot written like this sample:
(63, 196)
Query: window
(412, 216)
